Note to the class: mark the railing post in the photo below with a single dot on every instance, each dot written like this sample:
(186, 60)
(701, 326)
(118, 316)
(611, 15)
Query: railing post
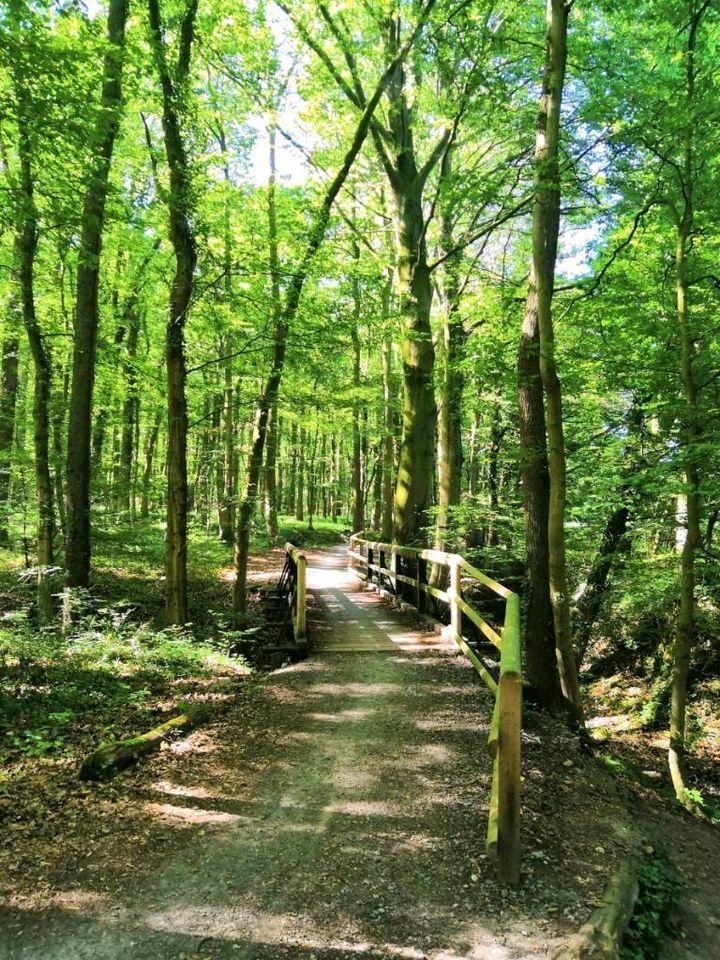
(393, 570)
(509, 741)
(300, 598)
(421, 576)
(370, 559)
(454, 592)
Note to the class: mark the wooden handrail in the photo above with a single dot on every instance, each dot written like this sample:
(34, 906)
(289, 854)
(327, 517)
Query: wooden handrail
(504, 738)
(297, 563)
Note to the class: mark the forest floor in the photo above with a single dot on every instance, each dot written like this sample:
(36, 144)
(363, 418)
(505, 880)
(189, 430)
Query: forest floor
(335, 810)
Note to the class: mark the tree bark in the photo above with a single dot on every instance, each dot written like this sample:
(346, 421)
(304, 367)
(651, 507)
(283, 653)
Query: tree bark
(588, 604)
(690, 437)
(546, 226)
(184, 245)
(358, 520)
(388, 465)
(25, 246)
(148, 468)
(8, 398)
(450, 453)
(77, 543)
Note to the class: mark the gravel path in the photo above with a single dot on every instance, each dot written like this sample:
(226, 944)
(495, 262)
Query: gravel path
(339, 814)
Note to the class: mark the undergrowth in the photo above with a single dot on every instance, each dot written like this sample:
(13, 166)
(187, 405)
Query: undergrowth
(118, 667)
(654, 916)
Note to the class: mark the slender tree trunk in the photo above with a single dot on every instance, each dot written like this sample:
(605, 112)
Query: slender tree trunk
(497, 432)
(25, 246)
(8, 398)
(129, 414)
(291, 484)
(300, 493)
(184, 245)
(226, 512)
(588, 604)
(358, 521)
(148, 468)
(271, 511)
(546, 225)
(77, 543)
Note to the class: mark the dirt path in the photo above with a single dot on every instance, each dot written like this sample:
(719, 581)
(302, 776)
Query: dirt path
(337, 813)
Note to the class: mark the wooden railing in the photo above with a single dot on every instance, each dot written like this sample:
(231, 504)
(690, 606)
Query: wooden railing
(292, 583)
(407, 571)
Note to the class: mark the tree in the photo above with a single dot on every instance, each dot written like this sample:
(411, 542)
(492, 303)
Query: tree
(179, 200)
(102, 142)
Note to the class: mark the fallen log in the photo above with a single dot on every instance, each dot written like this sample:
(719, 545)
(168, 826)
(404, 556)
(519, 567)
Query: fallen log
(112, 757)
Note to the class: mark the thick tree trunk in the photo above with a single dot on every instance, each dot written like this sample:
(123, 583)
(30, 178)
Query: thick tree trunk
(77, 543)
(414, 489)
(450, 453)
(690, 453)
(546, 226)
(539, 634)
(388, 464)
(8, 398)
(184, 245)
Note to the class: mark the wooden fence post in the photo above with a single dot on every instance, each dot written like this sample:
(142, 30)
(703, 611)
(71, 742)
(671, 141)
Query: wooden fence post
(393, 570)
(421, 576)
(300, 598)
(454, 592)
(509, 740)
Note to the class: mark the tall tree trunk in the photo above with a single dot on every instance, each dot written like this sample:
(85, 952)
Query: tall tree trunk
(271, 511)
(25, 246)
(546, 225)
(129, 414)
(497, 432)
(450, 453)
(77, 543)
(148, 468)
(690, 453)
(184, 245)
(226, 511)
(358, 520)
(8, 398)
(300, 490)
(414, 489)
(291, 484)
(388, 456)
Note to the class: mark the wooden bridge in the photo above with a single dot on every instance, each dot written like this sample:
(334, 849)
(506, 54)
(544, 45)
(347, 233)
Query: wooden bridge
(447, 593)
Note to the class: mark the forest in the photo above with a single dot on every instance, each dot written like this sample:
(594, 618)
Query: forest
(440, 273)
